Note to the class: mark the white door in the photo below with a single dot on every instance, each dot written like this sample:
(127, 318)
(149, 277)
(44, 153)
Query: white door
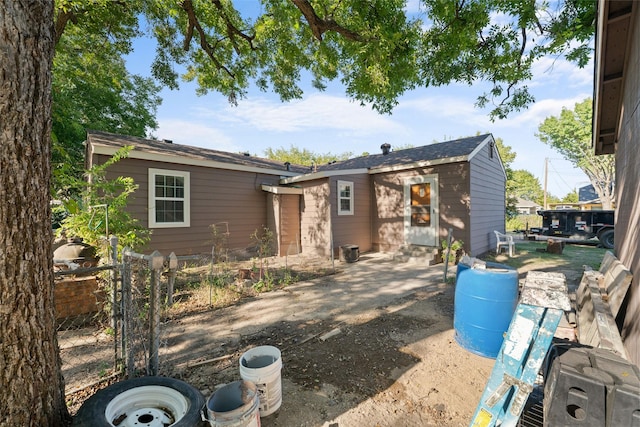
(421, 210)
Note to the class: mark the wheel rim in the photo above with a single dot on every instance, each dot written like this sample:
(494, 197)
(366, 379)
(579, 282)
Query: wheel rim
(147, 406)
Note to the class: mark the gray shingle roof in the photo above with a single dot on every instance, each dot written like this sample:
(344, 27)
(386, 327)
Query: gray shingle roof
(159, 146)
(437, 151)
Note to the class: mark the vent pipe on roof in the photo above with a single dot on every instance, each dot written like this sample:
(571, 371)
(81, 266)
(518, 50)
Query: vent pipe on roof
(287, 165)
(386, 148)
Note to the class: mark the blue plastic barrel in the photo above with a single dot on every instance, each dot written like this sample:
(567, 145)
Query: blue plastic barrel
(485, 300)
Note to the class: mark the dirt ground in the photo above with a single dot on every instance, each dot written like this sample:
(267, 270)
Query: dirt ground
(371, 345)
(390, 360)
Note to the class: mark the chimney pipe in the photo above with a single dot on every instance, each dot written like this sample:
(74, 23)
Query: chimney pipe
(287, 165)
(386, 148)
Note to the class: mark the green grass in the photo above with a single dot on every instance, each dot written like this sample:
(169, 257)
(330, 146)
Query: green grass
(528, 254)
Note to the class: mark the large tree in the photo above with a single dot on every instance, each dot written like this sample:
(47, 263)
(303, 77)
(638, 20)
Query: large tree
(570, 134)
(371, 46)
(376, 50)
(30, 376)
(526, 186)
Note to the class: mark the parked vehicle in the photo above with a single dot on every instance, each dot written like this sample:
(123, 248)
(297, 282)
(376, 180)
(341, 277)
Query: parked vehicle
(578, 225)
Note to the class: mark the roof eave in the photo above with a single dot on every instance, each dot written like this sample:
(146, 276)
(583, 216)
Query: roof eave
(322, 174)
(612, 53)
(157, 156)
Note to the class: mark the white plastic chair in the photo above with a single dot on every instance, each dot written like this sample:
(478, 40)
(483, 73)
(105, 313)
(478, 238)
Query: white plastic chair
(504, 241)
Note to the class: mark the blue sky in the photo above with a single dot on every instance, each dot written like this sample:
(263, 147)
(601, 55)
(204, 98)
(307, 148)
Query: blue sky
(328, 122)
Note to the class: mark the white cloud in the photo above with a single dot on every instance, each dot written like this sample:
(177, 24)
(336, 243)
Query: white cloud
(540, 110)
(314, 112)
(449, 108)
(553, 70)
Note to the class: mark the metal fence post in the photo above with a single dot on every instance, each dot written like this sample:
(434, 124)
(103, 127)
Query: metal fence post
(156, 262)
(173, 267)
(127, 313)
(115, 312)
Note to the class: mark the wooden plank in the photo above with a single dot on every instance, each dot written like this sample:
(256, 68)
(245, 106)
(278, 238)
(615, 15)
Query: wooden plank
(617, 279)
(609, 336)
(595, 319)
(584, 308)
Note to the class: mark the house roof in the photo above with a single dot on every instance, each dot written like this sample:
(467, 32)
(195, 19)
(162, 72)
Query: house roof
(524, 203)
(443, 152)
(612, 41)
(458, 150)
(108, 143)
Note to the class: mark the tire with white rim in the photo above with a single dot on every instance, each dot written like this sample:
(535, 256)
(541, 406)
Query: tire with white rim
(143, 402)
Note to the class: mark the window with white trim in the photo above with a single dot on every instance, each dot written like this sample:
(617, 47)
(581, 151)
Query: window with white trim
(169, 198)
(345, 198)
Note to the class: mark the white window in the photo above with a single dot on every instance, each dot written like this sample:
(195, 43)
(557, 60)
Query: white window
(169, 201)
(345, 198)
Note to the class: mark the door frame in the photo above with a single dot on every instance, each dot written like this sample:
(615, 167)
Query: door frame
(422, 236)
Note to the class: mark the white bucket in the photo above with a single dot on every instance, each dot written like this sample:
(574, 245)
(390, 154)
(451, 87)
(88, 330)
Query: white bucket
(234, 405)
(261, 365)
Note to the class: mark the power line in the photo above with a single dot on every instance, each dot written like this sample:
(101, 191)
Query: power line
(560, 176)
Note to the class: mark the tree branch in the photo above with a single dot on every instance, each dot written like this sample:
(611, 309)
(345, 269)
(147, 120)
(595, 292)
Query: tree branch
(523, 46)
(187, 6)
(320, 26)
(232, 30)
(61, 24)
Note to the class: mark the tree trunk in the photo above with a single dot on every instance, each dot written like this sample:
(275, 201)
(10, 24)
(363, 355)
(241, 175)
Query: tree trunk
(30, 375)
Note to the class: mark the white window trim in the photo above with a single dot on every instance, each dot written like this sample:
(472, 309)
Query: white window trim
(152, 198)
(340, 211)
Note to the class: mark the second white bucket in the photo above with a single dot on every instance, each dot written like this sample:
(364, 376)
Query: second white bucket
(261, 365)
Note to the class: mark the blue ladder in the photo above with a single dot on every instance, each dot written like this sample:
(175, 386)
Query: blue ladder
(542, 304)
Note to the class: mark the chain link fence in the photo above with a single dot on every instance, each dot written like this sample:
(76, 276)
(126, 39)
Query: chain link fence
(110, 318)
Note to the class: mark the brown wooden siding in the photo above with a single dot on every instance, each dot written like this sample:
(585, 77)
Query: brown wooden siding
(388, 202)
(223, 197)
(315, 218)
(487, 209)
(273, 220)
(287, 223)
(352, 229)
(627, 238)
(455, 198)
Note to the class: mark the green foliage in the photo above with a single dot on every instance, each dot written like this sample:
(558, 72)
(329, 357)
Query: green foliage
(266, 282)
(304, 157)
(456, 246)
(374, 48)
(570, 134)
(571, 197)
(507, 156)
(464, 44)
(523, 222)
(525, 186)
(91, 86)
(87, 214)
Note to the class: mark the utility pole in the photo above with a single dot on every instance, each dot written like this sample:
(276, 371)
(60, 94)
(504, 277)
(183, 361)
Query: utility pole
(546, 161)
